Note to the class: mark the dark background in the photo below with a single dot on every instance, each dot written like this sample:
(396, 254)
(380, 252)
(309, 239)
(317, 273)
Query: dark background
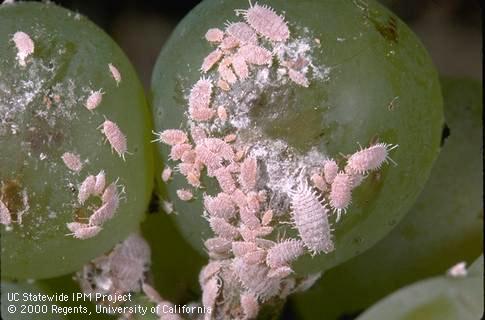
(450, 29)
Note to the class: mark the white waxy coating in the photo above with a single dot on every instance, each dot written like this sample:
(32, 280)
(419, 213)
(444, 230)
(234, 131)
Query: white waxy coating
(25, 46)
(5, 217)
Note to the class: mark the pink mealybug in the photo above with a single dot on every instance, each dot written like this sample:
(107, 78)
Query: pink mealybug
(197, 133)
(200, 94)
(266, 22)
(166, 174)
(115, 137)
(5, 217)
(210, 292)
(218, 245)
(105, 212)
(253, 201)
(241, 248)
(115, 73)
(226, 72)
(189, 156)
(319, 182)
(226, 182)
(242, 32)
(330, 170)
(94, 99)
(280, 272)
(254, 277)
(310, 218)
(184, 194)
(239, 198)
(298, 78)
(220, 206)
(25, 46)
(223, 85)
(171, 137)
(240, 66)
(249, 305)
(214, 35)
(370, 158)
(84, 232)
(100, 183)
(283, 253)
(223, 228)
(201, 114)
(110, 193)
(209, 271)
(249, 218)
(72, 161)
(222, 114)
(341, 193)
(255, 257)
(248, 176)
(255, 54)
(211, 59)
(178, 150)
(211, 159)
(86, 189)
(230, 138)
(267, 217)
(229, 42)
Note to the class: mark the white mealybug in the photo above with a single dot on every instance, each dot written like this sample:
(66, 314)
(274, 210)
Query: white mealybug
(94, 99)
(370, 158)
(86, 189)
(166, 173)
(5, 217)
(249, 172)
(115, 73)
(211, 59)
(223, 228)
(255, 54)
(330, 170)
(266, 22)
(184, 194)
(310, 218)
(214, 35)
(171, 137)
(115, 137)
(242, 32)
(283, 253)
(72, 161)
(249, 305)
(341, 193)
(25, 46)
(100, 183)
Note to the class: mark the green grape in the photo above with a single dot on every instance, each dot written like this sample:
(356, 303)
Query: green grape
(443, 227)
(379, 85)
(44, 100)
(440, 298)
